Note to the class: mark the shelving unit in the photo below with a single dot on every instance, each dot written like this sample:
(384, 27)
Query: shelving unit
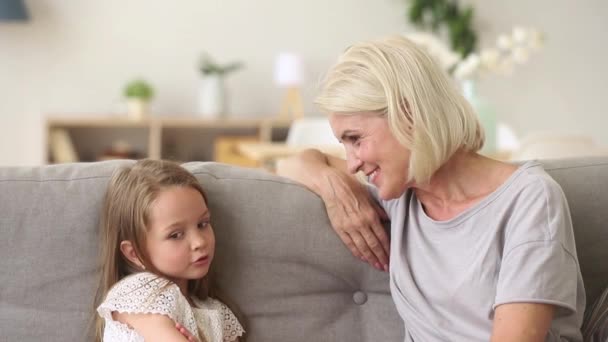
(173, 138)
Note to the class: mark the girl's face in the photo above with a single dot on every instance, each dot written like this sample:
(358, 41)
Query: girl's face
(372, 149)
(180, 241)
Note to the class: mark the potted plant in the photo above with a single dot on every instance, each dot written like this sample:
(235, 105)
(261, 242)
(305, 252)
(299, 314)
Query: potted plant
(138, 93)
(212, 101)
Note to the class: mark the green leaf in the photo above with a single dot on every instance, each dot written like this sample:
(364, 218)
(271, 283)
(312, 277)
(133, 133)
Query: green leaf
(435, 14)
(139, 89)
(209, 67)
(415, 12)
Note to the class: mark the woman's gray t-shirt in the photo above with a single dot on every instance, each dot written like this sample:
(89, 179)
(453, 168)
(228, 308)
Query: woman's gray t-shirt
(516, 245)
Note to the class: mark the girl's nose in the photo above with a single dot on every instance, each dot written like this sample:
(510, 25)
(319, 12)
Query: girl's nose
(198, 241)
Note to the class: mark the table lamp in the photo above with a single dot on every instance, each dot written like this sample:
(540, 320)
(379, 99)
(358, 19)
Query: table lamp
(12, 10)
(288, 75)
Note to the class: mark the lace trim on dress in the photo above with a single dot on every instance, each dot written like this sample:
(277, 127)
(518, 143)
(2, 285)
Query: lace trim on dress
(217, 321)
(232, 327)
(147, 293)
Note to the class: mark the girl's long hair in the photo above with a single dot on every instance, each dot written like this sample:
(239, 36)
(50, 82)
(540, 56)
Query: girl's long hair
(125, 216)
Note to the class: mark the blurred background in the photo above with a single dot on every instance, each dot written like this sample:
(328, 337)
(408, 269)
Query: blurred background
(73, 60)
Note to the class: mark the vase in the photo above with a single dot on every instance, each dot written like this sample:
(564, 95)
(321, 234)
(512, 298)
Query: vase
(212, 97)
(137, 109)
(485, 113)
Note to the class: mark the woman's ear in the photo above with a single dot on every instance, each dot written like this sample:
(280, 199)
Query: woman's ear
(127, 249)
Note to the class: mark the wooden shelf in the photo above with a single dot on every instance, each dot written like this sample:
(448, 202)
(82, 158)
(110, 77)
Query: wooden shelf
(177, 138)
(165, 122)
(266, 154)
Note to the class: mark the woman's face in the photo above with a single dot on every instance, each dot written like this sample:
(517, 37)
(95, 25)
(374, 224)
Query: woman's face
(372, 149)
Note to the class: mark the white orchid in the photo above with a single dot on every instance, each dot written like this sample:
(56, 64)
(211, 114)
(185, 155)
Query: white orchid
(510, 49)
(490, 59)
(436, 48)
(504, 42)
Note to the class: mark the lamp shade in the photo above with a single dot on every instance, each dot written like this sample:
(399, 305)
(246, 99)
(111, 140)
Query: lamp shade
(12, 10)
(288, 70)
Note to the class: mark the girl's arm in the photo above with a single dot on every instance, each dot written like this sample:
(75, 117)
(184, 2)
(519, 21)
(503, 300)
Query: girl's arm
(152, 327)
(185, 332)
(524, 322)
(189, 336)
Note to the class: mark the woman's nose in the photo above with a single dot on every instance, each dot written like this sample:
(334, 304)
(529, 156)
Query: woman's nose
(353, 163)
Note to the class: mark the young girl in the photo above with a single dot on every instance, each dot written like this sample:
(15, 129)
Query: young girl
(157, 246)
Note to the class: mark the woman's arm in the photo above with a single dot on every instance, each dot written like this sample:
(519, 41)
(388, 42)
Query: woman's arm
(152, 327)
(522, 322)
(353, 213)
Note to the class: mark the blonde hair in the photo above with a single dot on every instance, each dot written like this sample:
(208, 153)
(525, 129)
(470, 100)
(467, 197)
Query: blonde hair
(426, 113)
(125, 216)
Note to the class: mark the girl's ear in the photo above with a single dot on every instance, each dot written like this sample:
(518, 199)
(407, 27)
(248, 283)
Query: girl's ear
(127, 249)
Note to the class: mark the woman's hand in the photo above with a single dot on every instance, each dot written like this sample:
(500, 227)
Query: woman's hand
(357, 219)
(185, 332)
(354, 215)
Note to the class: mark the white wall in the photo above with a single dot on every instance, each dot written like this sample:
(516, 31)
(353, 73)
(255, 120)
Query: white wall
(565, 86)
(73, 57)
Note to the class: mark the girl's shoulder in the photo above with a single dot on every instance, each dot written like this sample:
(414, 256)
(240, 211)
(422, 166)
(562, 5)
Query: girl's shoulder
(147, 293)
(217, 321)
(143, 284)
(143, 292)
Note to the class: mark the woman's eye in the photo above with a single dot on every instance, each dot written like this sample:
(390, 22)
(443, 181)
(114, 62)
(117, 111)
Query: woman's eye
(202, 224)
(353, 139)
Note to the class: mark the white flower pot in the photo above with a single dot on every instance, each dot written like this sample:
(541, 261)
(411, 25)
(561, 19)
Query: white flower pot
(212, 97)
(137, 109)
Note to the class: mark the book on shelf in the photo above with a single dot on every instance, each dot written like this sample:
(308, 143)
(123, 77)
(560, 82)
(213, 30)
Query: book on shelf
(61, 146)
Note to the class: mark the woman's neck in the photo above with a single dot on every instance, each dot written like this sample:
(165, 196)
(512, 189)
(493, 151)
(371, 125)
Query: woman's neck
(462, 181)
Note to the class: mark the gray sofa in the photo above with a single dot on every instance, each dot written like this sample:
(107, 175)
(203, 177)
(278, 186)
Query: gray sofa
(277, 256)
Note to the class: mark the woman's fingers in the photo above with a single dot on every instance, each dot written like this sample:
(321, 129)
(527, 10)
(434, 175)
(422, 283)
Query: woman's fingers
(363, 247)
(361, 231)
(356, 217)
(373, 232)
(373, 236)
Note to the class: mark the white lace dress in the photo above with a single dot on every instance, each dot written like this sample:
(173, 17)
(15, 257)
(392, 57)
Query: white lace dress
(210, 321)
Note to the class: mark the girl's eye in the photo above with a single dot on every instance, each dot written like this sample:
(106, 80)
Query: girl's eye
(176, 235)
(202, 224)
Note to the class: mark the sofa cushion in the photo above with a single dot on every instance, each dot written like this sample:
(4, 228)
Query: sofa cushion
(48, 251)
(585, 184)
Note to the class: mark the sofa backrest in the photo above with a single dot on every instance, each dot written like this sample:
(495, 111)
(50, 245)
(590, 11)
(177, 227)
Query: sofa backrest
(277, 257)
(585, 184)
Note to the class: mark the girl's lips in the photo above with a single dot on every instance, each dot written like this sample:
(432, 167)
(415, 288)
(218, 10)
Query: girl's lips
(201, 261)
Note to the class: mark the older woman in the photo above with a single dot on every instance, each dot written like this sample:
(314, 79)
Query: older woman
(480, 249)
